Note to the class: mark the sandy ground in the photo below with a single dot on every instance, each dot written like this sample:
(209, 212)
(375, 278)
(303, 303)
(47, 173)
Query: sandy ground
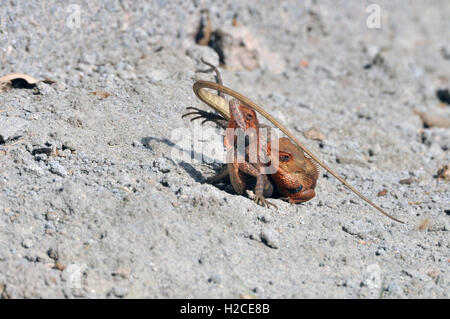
(94, 204)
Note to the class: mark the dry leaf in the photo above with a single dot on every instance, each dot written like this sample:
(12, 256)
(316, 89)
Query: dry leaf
(407, 181)
(424, 224)
(102, 94)
(434, 273)
(14, 76)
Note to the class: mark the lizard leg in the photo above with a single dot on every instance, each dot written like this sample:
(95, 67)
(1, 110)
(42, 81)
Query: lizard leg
(261, 183)
(268, 187)
(218, 76)
(301, 197)
(237, 179)
(220, 175)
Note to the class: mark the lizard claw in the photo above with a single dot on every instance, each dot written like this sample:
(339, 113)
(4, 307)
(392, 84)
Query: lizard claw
(201, 114)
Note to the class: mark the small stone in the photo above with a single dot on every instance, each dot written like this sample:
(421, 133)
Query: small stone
(53, 254)
(68, 145)
(445, 50)
(57, 168)
(120, 291)
(406, 181)
(443, 95)
(314, 134)
(72, 275)
(394, 289)
(123, 273)
(11, 128)
(215, 279)
(27, 243)
(176, 204)
(265, 219)
(382, 192)
(40, 157)
(51, 216)
(444, 172)
(164, 182)
(380, 251)
(434, 274)
(162, 165)
(35, 169)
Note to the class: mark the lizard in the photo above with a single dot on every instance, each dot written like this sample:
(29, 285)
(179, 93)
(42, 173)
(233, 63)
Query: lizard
(296, 175)
(219, 104)
(241, 118)
(244, 118)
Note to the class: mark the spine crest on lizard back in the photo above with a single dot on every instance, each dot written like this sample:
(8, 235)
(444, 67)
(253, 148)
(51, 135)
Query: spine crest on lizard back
(220, 104)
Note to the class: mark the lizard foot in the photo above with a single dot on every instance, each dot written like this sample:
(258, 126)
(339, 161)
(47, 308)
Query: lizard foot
(201, 114)
(260, 200)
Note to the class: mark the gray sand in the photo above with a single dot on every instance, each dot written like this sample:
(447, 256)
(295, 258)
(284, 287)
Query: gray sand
(93, 204)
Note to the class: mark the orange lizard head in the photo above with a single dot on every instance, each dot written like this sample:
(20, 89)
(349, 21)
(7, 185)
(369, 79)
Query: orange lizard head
(296, 175)
(242, 117)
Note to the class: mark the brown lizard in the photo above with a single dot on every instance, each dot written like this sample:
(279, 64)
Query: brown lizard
(244, 118)
(296, 175)
(241, 118)
(219, 104)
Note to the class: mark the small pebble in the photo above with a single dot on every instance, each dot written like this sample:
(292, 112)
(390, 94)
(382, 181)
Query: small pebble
(269, 239)
(57, 168)
(214, 279)
(53, 254)
(265, 219)
(120, 291)
(72, 275)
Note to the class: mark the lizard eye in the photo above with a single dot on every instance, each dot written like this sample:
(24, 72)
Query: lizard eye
(285, 157)
(249, 116)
